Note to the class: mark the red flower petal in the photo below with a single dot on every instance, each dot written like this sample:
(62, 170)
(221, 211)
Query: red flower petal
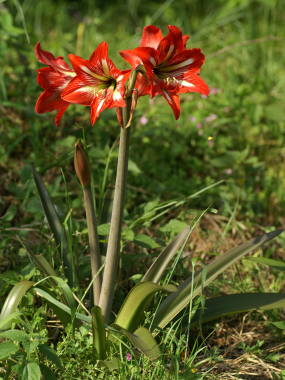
(193, 83)
(49, 59)
(171, 44)
(78, 91)
(100, 58)
(86, 70)
(173, 101)
(151, 36)
(143, 85)
(48, 101)
(186, 60)
(61, 110)
(99, 104)
(185, 38)
(145, 55)
(48, 78)
(130, 57)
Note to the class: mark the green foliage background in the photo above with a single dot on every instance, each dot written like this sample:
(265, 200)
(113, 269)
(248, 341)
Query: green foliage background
(237, 134)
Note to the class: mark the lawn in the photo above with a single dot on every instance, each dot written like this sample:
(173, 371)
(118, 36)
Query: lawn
(219, 169)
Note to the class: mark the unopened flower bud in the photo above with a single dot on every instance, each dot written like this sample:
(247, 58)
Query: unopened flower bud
(81, 165)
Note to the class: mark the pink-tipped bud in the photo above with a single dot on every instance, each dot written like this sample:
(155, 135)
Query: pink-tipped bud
(81, 165)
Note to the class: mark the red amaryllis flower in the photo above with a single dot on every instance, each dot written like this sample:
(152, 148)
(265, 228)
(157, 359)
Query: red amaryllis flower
(98, 82)
(170, 68)
(53, 79)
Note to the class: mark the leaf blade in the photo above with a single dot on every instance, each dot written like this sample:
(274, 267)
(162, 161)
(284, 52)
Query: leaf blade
(157, 268)
(237, 303)
(136, 302)
(56, 227)
(13, 300)
(177, 301)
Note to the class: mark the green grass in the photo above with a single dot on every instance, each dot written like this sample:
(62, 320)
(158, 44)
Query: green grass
(237, 134)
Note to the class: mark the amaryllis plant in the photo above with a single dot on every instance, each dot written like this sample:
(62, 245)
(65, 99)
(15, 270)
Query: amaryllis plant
(159, 66)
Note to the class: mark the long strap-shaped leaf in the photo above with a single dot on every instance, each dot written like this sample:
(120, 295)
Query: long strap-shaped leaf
(12, 301)
(237, 303)
(157, 268)
(56, 228)
(132, 311)
(142, 339)
(177, 301)
(66, 312)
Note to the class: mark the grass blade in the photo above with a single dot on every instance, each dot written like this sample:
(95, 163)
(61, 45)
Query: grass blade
(276, 264)
(177, 301)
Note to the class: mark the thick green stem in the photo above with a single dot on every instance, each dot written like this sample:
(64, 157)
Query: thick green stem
(113, 247)
(93, 243)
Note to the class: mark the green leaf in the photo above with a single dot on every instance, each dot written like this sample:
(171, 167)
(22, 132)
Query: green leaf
(110, 364)
(143, 340)
(174, 226)
(279, 324)
(65, 311)
(56, 228)
(132, 311)
(133, 168)
(47, 373)
(13, 299)
(237, 303)
(11, 318)
(146, 241)
(32, 371)
(128, 234)
(159, 265)
(276, 264)
(99, 334)
(103, 229)
(43, 265)
(17, 335)
(50, 355)
(66, 292)
(7, 349)
(177, 301)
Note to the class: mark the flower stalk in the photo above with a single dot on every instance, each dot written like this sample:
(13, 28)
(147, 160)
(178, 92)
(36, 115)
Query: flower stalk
(83, 173)
(113, 247)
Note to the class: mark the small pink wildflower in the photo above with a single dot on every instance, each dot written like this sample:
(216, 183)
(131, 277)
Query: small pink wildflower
(129, 357)
(214, 91)
(211, 118)
(199, 125)
(143, 120)
(228, 171)
(193, 119)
